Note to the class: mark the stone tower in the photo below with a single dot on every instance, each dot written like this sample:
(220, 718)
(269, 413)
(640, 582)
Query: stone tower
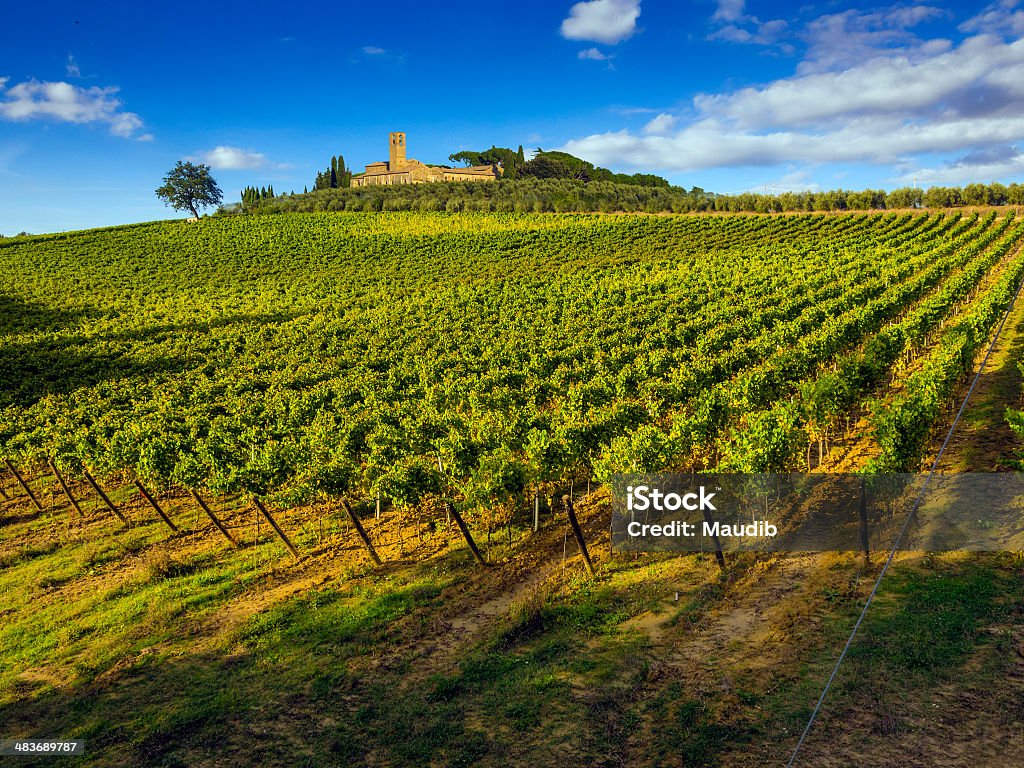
(397, 156)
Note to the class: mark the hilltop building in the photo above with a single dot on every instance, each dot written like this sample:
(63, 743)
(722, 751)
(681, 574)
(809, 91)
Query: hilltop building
(399, 170)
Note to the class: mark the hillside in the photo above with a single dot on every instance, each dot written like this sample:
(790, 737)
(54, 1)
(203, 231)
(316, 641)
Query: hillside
(424, 368)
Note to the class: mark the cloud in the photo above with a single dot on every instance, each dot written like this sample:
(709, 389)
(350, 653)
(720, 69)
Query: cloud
(997, 18)
(125, 124)
(227, 158)
(767, 33)
(709, 144)
(71, 68)
(372, 50)
(603, 21)
(594, 55)
(729, 10)
(736, 26)
(660, 125)
(794, 181)
(630, 111)
(984, 165)
(834, 40)
(889, 109)
(64, 102)
(848, 38)
(980, 76)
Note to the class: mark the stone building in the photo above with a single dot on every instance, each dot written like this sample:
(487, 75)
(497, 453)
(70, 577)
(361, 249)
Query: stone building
(400, 170)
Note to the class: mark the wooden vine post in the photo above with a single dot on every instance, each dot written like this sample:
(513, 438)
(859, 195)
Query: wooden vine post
(153, 503)
(719, 556)
(64, 485)
(213, 517)
(273, 524)
(361, 531)
(578, 533)
(454, 514)
(23, 484)
(106, 499)
(865, 538)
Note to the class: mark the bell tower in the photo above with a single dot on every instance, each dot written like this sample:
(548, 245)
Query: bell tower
(396, 158)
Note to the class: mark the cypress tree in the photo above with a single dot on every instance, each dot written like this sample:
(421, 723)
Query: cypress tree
(344, 176)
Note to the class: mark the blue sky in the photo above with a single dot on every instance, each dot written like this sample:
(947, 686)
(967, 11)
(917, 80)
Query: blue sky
(98, 100)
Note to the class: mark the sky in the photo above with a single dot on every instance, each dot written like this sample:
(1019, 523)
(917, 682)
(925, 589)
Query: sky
(99, 100)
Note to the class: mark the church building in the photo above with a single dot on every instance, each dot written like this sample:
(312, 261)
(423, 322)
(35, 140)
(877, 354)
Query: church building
(399, 170)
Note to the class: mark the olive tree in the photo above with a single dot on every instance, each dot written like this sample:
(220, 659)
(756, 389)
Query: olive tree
(188, 187)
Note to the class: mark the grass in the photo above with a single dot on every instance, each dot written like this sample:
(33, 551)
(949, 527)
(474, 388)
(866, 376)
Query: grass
(933, 618)
(130, 644)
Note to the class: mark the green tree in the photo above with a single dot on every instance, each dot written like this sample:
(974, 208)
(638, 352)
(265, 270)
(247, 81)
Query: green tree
(344, 174)
(467, 157)
(189, 187)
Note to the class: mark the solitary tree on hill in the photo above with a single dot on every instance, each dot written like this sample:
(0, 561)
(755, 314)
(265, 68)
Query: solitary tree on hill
(188, 187)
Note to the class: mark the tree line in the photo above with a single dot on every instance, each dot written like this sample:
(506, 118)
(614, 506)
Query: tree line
(873, 199)
(525, 195)
(561, 195)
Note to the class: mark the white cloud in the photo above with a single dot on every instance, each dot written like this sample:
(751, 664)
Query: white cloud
(603, 21)
(729, 10)
(373, 50)
(834, 40)
(711, 144)
(890, 108)
(794, 181)
(593, 54)
(766, 33)
(736, 26)
(848, 38)
(125, 124)
(982, 75)
(227, 158)
(986, 165)
(660, 125)
(34, 100)
(71, 68)
(999, 17)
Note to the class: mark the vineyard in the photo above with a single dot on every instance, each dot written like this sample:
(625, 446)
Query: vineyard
(391, 373)
(418, 357)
